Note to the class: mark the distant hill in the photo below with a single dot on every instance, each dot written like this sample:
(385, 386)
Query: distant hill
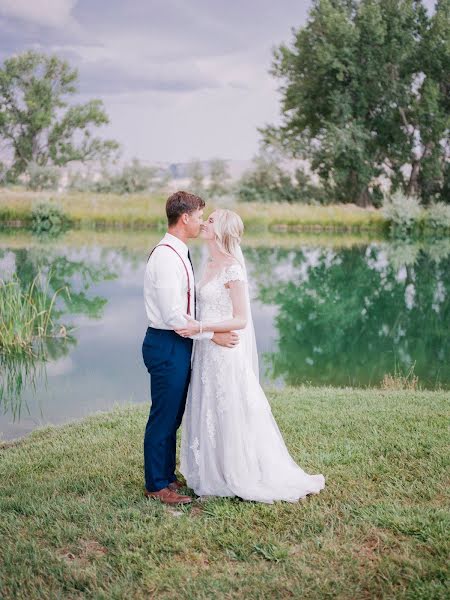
(178, 171)
(235, 168)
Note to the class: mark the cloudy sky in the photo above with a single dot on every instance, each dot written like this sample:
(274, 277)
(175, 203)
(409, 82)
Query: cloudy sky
(180, 79)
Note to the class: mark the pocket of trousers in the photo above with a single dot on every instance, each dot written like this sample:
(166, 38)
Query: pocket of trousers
(156, 351)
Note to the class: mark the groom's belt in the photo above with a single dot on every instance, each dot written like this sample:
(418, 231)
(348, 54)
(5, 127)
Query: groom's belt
(157, 330)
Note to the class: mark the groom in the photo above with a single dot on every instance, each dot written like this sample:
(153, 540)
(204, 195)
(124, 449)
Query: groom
(169, 294)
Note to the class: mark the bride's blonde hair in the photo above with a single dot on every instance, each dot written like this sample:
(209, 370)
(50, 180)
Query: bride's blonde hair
(228, 227)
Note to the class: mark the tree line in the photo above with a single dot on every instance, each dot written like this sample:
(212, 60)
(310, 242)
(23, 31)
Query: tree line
(365, 99)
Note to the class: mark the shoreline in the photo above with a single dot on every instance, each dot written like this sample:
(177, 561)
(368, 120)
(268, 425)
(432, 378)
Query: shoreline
(269, 391)
(144, 211)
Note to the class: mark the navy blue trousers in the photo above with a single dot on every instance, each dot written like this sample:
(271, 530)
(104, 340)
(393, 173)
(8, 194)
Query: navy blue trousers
(167, 357)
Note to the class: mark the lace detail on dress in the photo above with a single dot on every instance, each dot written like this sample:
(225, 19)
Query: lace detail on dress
(234, 272)
(211, 428)
(195, 450)
(214, 301)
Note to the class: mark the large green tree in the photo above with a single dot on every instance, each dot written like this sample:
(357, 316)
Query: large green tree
(365, 95)
(38, 124)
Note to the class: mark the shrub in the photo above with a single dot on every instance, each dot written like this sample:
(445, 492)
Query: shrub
(48, 218)
(400, 381)
(195, 173)
(438, 215)
(42, 177)
(133, 178)
(403, 212)
(80, 182)
(268, 182)
(219, 177)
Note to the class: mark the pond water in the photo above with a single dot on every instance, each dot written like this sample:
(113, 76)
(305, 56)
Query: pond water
(327, 311)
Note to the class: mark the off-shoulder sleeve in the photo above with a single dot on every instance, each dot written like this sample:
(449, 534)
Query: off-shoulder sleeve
(234, 272)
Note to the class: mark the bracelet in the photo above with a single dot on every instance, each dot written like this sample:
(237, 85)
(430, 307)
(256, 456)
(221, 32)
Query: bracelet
(201, 327)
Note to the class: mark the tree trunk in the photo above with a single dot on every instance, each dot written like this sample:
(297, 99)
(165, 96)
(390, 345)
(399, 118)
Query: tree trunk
(360, 194)
(412, 188)
(364, 200)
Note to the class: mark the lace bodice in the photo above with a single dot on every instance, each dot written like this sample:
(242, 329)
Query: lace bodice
(213, 298)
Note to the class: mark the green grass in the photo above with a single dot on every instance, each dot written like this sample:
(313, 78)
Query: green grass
(74, 522)
(83, 210)
(142, 211)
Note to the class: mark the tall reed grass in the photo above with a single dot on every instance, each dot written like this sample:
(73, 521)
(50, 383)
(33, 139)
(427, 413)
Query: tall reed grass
(26, 314)
(18, 371)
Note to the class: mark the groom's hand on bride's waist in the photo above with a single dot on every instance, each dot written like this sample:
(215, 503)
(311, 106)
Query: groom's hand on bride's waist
(230, 339)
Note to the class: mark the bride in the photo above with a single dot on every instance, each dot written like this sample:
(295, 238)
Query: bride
(231, 444)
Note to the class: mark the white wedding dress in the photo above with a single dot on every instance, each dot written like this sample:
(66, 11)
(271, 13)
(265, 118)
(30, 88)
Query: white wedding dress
(230, 442)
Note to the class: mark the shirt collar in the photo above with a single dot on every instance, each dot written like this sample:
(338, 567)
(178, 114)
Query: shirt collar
(176, 243)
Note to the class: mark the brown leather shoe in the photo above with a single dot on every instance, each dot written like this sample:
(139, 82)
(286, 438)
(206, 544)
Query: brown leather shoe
(175, 486)
(168, 496)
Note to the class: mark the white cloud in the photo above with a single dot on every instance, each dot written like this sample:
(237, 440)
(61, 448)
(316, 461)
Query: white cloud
(179, 80)
(203, 123)
(52, 13)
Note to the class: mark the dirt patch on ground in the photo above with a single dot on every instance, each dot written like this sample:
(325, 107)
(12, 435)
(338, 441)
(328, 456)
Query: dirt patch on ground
(83, 554)
(370, 548)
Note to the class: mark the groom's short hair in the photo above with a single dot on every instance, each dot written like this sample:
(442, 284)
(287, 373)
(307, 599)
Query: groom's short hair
(182, 202)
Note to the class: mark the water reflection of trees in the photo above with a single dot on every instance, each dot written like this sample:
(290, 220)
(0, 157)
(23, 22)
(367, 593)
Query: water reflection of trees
(350, 316)
(76, 272)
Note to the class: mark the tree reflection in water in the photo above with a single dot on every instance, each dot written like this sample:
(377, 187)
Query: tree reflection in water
(345, 316)
(21, 370)
(349, 316)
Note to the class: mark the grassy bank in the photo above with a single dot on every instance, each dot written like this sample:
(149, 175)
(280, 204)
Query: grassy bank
(108, 210)
(75, 523)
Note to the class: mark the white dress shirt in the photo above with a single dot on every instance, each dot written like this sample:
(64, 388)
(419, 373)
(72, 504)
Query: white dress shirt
(166, 286)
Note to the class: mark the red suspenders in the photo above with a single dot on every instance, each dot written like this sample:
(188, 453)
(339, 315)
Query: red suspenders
(187, 274)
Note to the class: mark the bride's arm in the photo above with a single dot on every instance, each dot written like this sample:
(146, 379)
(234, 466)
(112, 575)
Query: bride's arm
(239, 320)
